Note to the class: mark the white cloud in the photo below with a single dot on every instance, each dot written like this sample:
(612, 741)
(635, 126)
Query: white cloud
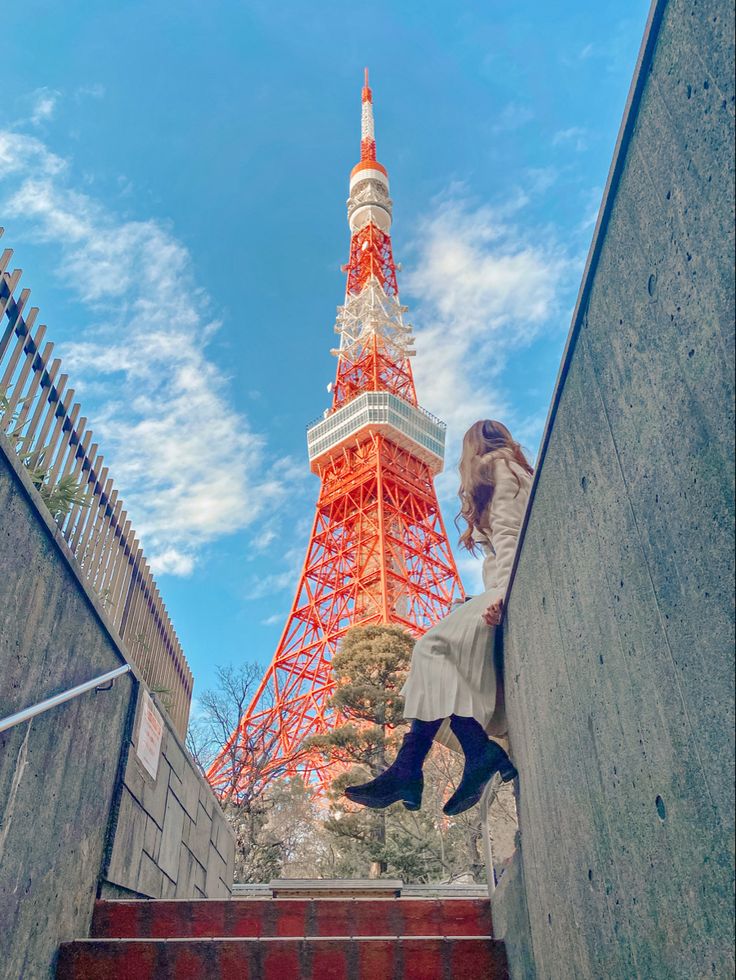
(187, 465)
(484, 287)
(540, 179)
(44, 102)
(591, 207)
(172, 562)
(576, 136)
(269, 585)
(470, 568)
(95, 90)
(275, 620)
(21, 154)
(512, 116)
(287, 564)
(615, 50)
(263, 539)
(528, 431)
(125, 186)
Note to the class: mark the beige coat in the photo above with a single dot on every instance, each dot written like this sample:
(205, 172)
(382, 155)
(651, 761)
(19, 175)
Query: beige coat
(452, 669)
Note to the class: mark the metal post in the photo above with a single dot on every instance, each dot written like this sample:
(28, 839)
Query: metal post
(489, 794)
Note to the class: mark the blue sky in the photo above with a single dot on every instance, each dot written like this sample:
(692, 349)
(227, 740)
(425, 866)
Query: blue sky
(173, 179)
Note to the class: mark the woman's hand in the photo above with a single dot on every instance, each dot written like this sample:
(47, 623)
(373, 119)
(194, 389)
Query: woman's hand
(494, 613)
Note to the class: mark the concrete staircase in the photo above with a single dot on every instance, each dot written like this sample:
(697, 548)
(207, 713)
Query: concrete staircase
(324, 938)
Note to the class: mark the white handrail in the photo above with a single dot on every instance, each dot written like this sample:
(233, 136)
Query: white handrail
(73, 692)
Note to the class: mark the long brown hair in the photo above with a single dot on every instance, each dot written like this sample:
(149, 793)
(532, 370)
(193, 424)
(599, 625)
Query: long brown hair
(476, 472)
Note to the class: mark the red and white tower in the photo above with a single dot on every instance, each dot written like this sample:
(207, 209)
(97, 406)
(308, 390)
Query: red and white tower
(378, 552)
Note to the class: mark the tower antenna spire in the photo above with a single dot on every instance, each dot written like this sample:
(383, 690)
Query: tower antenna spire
(367, 131)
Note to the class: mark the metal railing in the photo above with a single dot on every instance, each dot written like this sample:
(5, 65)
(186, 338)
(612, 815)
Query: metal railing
(39, 412)
(486, 800)
(38, 709)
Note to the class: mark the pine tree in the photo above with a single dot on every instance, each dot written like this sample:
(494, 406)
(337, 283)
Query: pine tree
(288, 831)
(369, 670)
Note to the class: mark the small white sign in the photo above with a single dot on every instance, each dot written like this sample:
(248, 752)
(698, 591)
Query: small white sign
(150, 733)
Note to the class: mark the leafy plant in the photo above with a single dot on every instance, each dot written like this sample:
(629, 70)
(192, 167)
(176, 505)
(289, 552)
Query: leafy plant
(14, 430)
(165, 696)
(60, 496)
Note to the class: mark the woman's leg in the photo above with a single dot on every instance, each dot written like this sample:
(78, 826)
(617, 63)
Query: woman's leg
(403, 780)
(483, 758)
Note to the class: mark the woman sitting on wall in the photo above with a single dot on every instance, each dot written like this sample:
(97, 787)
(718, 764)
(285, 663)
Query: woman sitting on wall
(450, 693)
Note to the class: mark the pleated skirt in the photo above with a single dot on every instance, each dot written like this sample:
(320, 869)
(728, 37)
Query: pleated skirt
(452, 670)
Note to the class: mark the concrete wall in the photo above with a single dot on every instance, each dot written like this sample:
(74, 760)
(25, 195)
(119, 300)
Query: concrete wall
(619, 637)
(57, 773)
(169, 839)
(61, 775)
(511, 918)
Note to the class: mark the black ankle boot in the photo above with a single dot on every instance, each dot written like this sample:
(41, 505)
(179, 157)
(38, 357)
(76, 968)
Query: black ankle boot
(483, 759)
(403, 780)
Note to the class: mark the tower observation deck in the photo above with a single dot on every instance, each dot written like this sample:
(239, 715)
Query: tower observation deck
(378, 551)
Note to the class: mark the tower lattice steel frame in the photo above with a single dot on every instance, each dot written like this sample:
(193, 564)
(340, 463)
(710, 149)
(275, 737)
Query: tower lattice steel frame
(378, 551)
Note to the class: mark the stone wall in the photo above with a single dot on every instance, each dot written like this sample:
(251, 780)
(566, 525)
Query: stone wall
(58, 773)
(169, 838)
(65, 773)
(619, 636)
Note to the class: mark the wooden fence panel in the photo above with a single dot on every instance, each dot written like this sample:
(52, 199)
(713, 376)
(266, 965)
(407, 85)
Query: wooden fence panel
(39, 414)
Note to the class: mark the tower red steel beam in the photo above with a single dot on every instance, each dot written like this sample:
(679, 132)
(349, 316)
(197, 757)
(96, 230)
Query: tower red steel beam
(378, 551)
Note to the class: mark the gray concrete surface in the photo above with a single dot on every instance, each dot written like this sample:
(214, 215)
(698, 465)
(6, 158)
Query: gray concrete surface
(511, 918)
(57, 772)
(170, 838)
(619, 636)
(70, 797)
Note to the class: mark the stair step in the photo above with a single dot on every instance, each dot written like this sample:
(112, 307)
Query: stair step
(335, 888)
(285, 917)
(406, 958)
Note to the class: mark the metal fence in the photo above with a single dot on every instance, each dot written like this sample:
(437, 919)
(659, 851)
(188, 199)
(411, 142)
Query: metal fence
(40, 415)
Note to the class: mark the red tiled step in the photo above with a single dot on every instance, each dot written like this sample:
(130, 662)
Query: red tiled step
(292, 917)
(283, 959)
